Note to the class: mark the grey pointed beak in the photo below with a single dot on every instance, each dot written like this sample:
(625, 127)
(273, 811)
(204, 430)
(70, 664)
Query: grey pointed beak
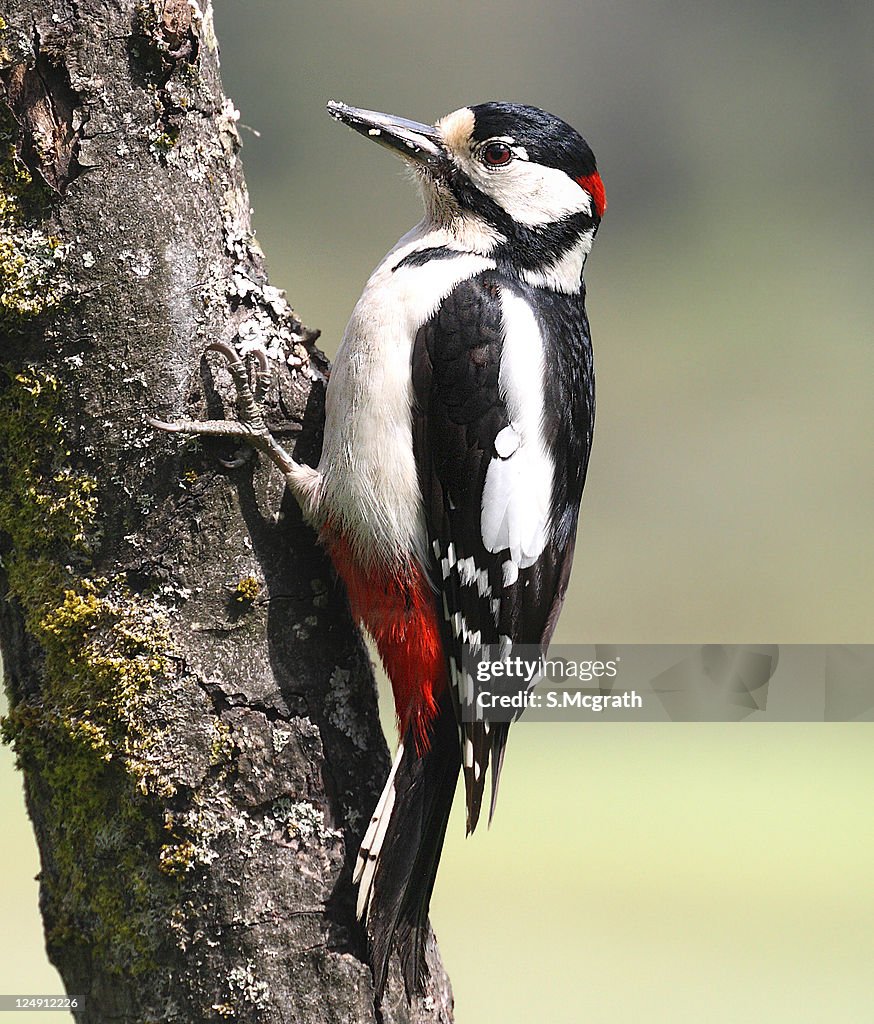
(416, 142)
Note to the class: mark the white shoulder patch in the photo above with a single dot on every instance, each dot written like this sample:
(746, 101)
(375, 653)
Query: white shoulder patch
(518, 487)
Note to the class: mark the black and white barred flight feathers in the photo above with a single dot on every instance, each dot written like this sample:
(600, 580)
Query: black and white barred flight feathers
(459, 425)
(501, 511)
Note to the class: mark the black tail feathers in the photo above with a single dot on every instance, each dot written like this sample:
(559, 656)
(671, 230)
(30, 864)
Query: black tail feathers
(400, 852)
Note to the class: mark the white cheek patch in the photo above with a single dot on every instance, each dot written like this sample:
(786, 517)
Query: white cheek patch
(531, 193)
(518, 487)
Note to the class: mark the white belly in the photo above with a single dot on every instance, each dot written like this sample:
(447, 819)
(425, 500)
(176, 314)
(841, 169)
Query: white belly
(370, 487)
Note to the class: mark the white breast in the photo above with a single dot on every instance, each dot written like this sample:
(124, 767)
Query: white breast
(369, 486)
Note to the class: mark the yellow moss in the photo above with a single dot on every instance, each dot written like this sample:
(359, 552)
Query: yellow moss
(77, 613)
(29, 284)
(222, 748)
(108, 652)
(86, 732)
(94, 885)
(107, 659)
(30, 259)
(91, 741)
(247, 590)
(178, 859)
(46, 507)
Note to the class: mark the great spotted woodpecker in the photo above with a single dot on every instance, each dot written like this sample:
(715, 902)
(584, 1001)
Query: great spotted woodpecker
(458, 429)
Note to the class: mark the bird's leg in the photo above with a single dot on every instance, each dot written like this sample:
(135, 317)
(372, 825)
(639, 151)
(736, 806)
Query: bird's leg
(250, 426)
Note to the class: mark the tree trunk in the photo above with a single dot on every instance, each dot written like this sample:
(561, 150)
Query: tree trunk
(193, 709)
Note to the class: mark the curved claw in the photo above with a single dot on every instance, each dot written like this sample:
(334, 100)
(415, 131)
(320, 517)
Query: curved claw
(263, 375)
(263, 361)
(229, 353)
(250, 426)
(170, 428)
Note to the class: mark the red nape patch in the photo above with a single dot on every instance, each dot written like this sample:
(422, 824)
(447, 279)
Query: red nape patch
(397, 609)
(595, 187)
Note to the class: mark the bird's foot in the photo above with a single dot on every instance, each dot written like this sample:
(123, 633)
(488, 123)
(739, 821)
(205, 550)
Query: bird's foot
(249, 427)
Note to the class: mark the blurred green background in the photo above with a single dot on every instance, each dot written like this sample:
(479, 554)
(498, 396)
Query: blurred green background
(659, 873)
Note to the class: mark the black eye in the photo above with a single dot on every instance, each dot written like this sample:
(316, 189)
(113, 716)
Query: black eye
(497, 153)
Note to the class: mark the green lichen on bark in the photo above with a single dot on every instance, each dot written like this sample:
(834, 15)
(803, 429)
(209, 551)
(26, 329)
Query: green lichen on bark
(32, 283)
(46, 506)
(91, 741)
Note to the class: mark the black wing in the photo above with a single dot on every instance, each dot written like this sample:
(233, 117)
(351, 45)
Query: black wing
(461, 415)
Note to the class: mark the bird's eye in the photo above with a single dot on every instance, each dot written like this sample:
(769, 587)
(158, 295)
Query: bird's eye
(497, 153)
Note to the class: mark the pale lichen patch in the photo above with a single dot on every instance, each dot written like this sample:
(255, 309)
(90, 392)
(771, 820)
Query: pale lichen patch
(243, 982)
(32, 278)
(302, 820)
(341, 708)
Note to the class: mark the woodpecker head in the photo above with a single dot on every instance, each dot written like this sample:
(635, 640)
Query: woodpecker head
(507, 180)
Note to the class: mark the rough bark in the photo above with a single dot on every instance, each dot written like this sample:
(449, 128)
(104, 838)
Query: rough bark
(191, 705)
